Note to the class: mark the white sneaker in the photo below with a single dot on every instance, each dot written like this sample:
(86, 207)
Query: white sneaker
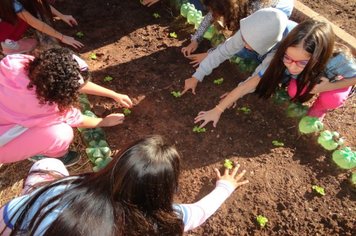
(21, 46)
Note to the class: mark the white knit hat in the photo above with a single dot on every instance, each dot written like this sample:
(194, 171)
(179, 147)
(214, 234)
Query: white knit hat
(263, 29)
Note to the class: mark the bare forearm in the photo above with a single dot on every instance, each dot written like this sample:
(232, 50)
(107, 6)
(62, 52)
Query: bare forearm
(94, 89)
(342, 83)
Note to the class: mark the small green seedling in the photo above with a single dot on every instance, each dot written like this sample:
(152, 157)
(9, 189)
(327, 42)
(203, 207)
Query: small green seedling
(108, 78)
(126, 111)
(173, 35)
(219, 81)
(228, 164)
(93, 56)
(245, 110)
(176, 94)
(79, 34)
(197, 129)
(319, 190)
(262, 220)
(156, 15)
(277, 143)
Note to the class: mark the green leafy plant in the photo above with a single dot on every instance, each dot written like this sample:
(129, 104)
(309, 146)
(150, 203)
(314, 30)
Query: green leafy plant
(173, 35)
(156, 15)
(108, 78)
(228, 164)
(262, 220)
(92, 56)
(219, 81)
(176, 94)
(277, 143)
(126, 111)
(319, 190)
(197, 129)
(244, 110)
(79, 34)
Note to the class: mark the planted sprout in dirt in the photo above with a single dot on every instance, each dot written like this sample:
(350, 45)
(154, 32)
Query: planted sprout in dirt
(277, 143)
(126, 111)
(319, 190)
(173, 35)
(79, 34)
(262, 220)
(176, 94)
(228, 164)
(156, 15)
(219, 81)
(92, 56)
(197, 129)
(108, 78)
(244, 110)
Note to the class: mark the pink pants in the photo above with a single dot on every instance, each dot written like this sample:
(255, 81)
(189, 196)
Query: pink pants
(51, 141)
(325, 101)
(13, 32)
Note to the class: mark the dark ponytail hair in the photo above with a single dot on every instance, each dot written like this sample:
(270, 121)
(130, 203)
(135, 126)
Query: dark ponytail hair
(133, 195)
(315, 37)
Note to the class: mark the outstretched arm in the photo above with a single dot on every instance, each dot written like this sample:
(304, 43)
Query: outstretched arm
(240, 91)
(197, 213)
(94, 89)
(326, 85)
(44, 28)
(69, 19)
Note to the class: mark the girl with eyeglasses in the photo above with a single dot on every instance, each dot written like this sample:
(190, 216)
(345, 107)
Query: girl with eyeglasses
(307, 63)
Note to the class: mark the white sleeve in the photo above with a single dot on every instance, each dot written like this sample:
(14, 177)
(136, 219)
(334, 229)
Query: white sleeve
(223, 52)
(197, 213)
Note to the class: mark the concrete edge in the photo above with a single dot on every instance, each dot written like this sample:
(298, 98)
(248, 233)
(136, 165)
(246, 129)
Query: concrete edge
(302, 12)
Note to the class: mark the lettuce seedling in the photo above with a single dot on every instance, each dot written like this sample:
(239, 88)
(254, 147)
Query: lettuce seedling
(197, 129)
(173, 35)
(219, 81)
(244, 110)
(79, 34)
(228, 164)
(277, 143)
(176, 94)
(262, 220)
(108, 78)
(93, 56)
(319, 190)
(156, 15)
(126, 111)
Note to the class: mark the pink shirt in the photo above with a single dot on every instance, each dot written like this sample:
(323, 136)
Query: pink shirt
(20, 106)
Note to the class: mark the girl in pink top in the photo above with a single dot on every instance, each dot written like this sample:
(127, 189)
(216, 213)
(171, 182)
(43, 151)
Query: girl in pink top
(38, 104)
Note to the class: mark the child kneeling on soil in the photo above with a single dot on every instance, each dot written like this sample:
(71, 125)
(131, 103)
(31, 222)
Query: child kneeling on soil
(17, 15)
(231, 12)
(308, 63)
(133, 195)
(38, 99)
(257, 38)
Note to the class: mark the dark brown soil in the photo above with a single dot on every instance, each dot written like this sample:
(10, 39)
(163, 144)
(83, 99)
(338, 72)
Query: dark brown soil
(134, 48)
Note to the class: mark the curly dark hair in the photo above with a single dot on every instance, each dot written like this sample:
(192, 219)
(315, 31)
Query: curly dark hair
(55, 75)
(235, 10)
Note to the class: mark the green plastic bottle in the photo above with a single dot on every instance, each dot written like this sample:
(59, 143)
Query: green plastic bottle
(281, 96)
(97, 149)
(93, 134)
(191, 16)
(210, 32)
(100, 163)
(296, 110)
(184, 9)
(310, 124)
(330, 140)
(217, 39)
(345, 158)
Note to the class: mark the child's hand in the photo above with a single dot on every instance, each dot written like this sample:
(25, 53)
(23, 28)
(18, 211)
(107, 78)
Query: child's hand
(69, 20)
(232, 178)
(123, 100)
(149, 2)
(72, 42)
(190, 48)
(197, 58)
(112, 120)
(207, 116)
(190, 83)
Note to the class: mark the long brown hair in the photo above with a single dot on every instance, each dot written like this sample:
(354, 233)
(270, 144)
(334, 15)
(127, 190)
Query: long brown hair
(133, 195)
(315, 37)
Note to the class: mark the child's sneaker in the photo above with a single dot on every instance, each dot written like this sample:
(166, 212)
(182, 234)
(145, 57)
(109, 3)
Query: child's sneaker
(22, 46)
(69, 159)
